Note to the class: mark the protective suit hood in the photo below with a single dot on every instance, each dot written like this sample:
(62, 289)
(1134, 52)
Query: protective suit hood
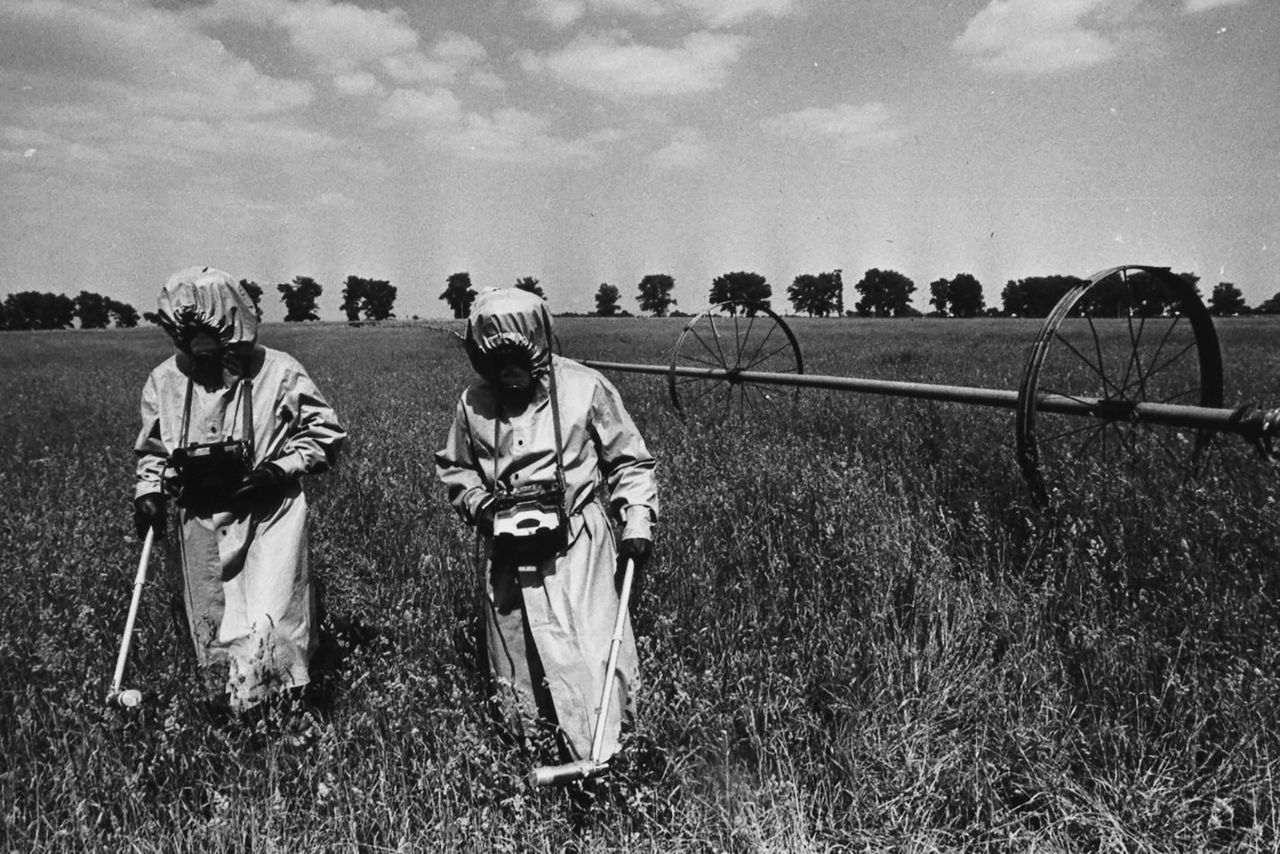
(509, 318)
(202, 297)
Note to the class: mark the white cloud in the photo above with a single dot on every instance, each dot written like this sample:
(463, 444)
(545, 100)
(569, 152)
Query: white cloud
(716, 13)
(143, 61)
(559, 14)
(342, 36)
(517, 136)
(451, 55)
(687, 149)
(115, 84)
(416, 67)
(610, 64)
(1193, 6)
(482, 79)
(727, 12)
(458, 49)
(849, 125)
(1034, 37)
(356, 83)
(437, 109)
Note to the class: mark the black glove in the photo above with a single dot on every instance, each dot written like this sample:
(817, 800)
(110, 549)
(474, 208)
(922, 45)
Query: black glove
(636, 549)
(148, 512)
(265, 479)
(484, 517)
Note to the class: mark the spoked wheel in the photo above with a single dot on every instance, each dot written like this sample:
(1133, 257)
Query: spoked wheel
(721, 344)
(1129, 335)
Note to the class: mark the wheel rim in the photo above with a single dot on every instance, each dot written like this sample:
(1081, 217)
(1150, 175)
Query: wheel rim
(1129, 335)
(735, 336)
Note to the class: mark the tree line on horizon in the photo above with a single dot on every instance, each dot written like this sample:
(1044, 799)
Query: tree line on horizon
(881, 293)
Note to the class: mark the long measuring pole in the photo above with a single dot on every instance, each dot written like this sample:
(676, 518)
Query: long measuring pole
(1194, 417)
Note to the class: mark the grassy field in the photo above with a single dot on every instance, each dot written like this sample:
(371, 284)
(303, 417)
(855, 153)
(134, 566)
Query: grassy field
(858, 634)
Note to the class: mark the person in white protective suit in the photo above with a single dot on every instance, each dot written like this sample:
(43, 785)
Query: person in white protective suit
(544, 432)
(228, 429)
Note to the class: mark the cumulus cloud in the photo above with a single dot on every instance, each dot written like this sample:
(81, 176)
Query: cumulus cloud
(343, 35)
(687, 149)
(439, 108)
(611, 64)
(716, 13)
(726, 12)
(848, 125)
(342, 38)
(1194, 6)
(1034, 37)
(143, 62)
(118, 84)
(357, 83)
(517, 136)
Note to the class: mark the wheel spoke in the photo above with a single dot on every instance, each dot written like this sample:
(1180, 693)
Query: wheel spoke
(1066, 434)
(1171, 360)
(779, 349)
(715, 335)
(737, 343)
(1163, 340)
(1097, 345)
(1097, 430)
(710, 387)
(742, 342)
(760, 346)
(1096, 369)
(715, 354)
(1196, 391)
(709, 364)
(1135, 362)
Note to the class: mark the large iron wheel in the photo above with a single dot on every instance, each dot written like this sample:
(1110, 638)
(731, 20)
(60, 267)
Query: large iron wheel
(720, 344)
(1129, 335)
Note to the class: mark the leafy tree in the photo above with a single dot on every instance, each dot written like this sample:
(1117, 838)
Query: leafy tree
(1139, 294)
(530, 284)
(655, 294)
(33, 310)
(940, 295)
(1270, 306)
(459, 294)
(966, 296)
(607, 300)
(374, 298)
(353, 297)
(379, 300)
(300, 298)
(885, 293)
(151, 317)
(254, 290)
(93, 311)
(1227, 300)
(1035, 296)
(817, 296)
(751, 287)
(124, 315)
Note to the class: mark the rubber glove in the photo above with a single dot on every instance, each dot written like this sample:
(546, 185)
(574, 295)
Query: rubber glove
(148, 512)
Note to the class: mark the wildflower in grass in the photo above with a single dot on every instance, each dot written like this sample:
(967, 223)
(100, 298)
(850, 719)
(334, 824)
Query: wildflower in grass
(228, 429)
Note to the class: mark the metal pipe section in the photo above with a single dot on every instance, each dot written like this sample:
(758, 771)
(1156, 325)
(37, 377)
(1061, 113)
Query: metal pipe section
(1248, 424)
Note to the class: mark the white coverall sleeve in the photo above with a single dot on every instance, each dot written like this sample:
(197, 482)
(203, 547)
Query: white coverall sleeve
(149, 447)
(625, 462)
(316, 437)
(458, 470)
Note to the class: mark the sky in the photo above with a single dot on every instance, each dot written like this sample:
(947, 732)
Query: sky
(583, 142)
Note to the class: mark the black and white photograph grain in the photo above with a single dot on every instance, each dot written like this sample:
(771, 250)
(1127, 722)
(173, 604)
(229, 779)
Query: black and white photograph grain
(655, 426)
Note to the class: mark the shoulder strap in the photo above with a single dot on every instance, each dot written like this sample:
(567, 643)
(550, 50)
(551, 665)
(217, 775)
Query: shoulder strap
(186, 414)
(555, 413)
